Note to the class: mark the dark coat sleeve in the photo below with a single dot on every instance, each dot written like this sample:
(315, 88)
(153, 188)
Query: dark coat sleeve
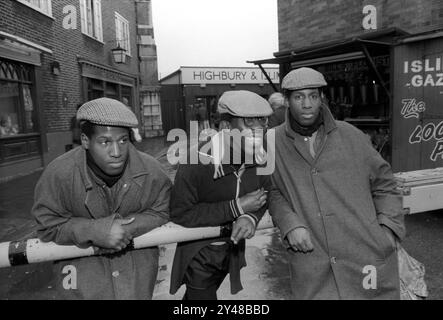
(387, 198)
(155, 210)
(53, 213)
(266, 183)
(186, 208)
(283, 215)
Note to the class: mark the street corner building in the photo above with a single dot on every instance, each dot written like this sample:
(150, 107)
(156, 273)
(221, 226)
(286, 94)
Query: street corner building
(56, 55)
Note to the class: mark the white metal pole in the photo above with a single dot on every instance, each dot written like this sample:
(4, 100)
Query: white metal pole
(35, 251)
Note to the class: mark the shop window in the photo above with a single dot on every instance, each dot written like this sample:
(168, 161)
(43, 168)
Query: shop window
(95, 89)
(43, 6)
(99, 89)
(127, 96)
(111, 91)
(355, 95)
(91, 18)
(9, 109)
(17, 110)
(122, 33)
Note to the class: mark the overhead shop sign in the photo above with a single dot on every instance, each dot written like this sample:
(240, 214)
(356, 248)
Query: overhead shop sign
(228, 75)
(424, 73)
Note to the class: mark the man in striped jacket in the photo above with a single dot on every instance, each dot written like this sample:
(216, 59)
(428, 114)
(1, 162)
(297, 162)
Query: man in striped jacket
(222, 189)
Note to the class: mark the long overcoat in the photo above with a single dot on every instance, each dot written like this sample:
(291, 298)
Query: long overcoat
(342, 196)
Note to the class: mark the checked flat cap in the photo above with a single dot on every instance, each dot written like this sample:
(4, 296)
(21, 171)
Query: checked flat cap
(107, 112)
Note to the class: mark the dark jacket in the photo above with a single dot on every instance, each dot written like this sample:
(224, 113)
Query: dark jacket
(73, 208)
(278, 117)
(342, 196)
(198, 199)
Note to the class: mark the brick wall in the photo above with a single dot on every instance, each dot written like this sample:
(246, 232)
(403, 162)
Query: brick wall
(68, 44)
(306, 22)
(22, 21)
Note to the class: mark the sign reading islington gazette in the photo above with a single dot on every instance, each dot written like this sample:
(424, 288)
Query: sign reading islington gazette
(214, 75)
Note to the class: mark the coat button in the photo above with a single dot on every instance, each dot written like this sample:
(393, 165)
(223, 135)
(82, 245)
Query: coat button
(314, 171)
(333, 260)
(125, 185)
(115, 274)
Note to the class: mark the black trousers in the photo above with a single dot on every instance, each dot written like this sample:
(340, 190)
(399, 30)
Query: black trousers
(206, 272)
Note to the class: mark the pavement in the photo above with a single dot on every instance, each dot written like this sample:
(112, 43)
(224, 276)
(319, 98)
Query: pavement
(265, 278)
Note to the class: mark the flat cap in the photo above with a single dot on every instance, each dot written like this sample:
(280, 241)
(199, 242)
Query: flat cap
(107, 112)
(242, 103)
(277, 99)
(303, 78)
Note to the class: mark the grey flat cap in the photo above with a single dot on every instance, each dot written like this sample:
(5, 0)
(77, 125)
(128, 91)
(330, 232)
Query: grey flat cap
(244, 104)
(303, 78)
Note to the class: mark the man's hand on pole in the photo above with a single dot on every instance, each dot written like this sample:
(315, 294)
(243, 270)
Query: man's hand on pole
(117, 238)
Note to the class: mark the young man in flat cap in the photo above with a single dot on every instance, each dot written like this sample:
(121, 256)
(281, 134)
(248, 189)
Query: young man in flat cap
(337, 206)
(103, 194)
(223, 189)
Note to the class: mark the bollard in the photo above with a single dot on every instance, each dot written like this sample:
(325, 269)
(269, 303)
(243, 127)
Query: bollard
(34, 251)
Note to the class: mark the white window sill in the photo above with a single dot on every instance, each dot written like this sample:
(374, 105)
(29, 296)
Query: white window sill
(36, 9)
(91, 37)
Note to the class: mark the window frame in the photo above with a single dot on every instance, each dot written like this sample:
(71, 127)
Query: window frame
(98, 88)
(92, 21)
(25, 78)
(47, 11)
(126, 26)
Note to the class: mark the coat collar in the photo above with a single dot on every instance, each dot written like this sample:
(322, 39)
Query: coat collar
(327, 127)
(329, 122)
(134, 169)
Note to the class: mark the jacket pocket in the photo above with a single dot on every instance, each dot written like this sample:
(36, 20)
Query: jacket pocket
(384, 244)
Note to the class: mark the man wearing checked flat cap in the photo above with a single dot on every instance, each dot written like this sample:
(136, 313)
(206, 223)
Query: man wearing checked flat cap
(335, 201)
(222, 191)
(103, 194)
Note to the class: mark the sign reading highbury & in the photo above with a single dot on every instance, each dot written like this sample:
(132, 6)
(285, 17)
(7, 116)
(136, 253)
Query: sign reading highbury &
(219, 75)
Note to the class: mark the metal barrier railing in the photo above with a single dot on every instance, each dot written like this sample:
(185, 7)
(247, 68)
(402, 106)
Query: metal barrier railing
(34, 251)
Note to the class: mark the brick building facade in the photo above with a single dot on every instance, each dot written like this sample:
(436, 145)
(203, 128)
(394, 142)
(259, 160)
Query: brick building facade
(383, 61)
(66, 47)
(303, 23)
